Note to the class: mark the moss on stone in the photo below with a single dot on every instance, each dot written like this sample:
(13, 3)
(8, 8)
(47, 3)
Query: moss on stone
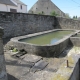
(71, 60)
(60, 77)
(14, 50)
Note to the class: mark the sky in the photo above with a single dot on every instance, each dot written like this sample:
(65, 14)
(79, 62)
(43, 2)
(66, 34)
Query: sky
(72, 7)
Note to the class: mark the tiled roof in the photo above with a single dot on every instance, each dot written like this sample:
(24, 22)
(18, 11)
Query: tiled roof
(8, 2)
(19, 2)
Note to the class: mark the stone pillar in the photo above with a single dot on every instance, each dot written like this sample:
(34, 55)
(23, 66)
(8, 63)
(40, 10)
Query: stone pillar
(3, 74)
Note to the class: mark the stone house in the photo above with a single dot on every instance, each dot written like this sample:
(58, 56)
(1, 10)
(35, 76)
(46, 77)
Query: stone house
(13, 6)
(46, 7)
(78, 18)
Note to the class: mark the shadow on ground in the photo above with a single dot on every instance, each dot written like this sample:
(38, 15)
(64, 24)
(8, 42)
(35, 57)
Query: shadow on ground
(10, 77)
(5, 40)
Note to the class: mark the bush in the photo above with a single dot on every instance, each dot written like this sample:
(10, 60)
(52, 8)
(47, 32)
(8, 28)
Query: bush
(42, 13)
(53, 13)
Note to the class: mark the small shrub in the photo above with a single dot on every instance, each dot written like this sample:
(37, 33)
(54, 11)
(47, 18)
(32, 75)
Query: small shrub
(42, 13)
(53, 13)
(14, 50)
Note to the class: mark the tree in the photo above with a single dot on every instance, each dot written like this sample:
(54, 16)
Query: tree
(53, 13)
(75, 17)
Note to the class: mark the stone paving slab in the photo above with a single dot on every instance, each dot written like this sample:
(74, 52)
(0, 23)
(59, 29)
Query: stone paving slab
(25, 64)
(31, 67)
(40, 75)
(54, 64)
(31, 58)
(17, 54)
(39, 66)
(17, 67)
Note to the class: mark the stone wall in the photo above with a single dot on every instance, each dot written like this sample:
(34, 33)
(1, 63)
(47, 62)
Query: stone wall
(66, 23)
(16, 24)
(75, 41)
(3, 74)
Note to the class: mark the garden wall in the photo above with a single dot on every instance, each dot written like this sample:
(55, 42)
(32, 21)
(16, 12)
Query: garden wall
(16, 24)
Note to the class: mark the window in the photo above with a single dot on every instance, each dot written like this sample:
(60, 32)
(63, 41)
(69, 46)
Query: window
(13, 10)
(21, 6)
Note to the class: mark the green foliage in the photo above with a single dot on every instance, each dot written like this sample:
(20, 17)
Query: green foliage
(39, 13)
(42, 13)
(53, 13)
(75, 17)
(67, 15)
(14, 50)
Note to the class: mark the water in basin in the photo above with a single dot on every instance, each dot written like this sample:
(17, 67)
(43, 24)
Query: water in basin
(48, 38)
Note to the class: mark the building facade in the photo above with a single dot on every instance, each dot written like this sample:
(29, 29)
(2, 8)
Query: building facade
(46, 7)
(13, 6)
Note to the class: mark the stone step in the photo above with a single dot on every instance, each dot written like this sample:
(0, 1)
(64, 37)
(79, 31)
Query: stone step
(31, 58)
(17, 54)
(39, 66)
